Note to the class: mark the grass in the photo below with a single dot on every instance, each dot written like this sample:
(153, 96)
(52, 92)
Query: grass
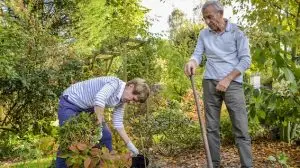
(39, 163)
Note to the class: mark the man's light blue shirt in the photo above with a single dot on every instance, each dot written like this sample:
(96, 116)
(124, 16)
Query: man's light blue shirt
(225, 52)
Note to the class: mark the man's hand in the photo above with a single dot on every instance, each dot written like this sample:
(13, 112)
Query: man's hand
(190, 68)
(132, 148)
(223, 84)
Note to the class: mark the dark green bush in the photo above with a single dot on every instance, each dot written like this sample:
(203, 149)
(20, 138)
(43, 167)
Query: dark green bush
(167, 129)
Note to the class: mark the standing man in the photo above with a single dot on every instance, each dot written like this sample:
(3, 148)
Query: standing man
(94, 95)
(228, 56)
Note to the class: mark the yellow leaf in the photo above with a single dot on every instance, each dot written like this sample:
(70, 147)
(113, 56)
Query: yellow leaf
(81, 146)
(73, 148)
(95, 151)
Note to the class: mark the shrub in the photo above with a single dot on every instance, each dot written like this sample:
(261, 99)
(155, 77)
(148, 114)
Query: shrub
(165, 128)
(13, 146)
(77, 139)
(79, 129)
(255, 129)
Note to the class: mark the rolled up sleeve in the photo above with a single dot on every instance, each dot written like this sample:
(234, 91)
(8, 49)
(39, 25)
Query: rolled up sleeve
(243, 52)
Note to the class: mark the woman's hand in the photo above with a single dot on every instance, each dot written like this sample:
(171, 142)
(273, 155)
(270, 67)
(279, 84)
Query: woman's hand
(127, 141)
(99, 111)
(132, 148)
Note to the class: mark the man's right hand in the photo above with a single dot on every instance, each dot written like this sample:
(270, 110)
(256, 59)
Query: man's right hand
(190, 68)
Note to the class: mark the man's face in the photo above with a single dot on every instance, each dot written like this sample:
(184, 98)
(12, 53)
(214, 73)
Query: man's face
(213, 18)
(128, 95)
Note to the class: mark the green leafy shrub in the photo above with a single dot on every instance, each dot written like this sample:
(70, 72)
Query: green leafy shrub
(47, 145)
(281, 159)
(13, 146)
(77, 139)
(166, 128)
(175, 131)
(255, 129)
(79, 129)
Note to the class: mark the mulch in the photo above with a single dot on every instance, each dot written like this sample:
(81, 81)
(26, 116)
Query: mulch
(230, 159)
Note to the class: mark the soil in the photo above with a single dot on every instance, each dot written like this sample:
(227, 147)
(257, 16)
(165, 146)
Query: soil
(230, 159)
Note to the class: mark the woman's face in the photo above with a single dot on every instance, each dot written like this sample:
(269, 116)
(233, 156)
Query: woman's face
(128, 95)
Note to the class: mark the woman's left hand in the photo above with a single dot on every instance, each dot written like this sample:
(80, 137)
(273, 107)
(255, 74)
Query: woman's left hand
(132, 148)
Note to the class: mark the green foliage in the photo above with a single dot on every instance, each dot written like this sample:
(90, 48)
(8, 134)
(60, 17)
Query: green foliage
(176, 52)
(77, 139)
(175, 131)
(277, 107)
(142, 63)
(281, 158)
(165, 127)
(274, 40)
(33, 66)
(38, 163)
(47, 145)
(79, 129)
(256, 130)
(27, 147)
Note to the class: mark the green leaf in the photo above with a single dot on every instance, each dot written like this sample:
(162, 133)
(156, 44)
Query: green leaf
(289, 75)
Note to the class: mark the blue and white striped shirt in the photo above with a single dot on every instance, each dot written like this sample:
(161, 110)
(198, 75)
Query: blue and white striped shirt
(102, 91)
(224, 52)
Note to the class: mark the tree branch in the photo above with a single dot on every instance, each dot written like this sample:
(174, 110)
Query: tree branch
(278, 7)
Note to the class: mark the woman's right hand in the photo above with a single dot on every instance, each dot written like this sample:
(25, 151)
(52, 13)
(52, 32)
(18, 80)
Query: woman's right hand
(99, 121)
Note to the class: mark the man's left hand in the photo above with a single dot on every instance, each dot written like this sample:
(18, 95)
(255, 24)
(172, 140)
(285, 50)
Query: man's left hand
(223, 84)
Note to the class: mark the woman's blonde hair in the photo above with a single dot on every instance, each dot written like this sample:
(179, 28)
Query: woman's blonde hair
(141, 88)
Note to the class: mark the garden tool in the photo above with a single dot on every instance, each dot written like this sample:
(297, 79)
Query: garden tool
(202, 125)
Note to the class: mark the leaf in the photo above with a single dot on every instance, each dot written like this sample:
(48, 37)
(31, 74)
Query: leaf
(81, 146)
(73, 148)
(64, 156)
(94, 162)
(95, 151)
(279, 60)
(272, 158)
(289, 75)
(69, 162)
(87, 162)
(107, 156)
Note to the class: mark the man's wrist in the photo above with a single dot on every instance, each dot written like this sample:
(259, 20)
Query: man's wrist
(194, 62)
(229, 78)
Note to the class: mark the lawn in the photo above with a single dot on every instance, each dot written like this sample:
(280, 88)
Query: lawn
(38, 163)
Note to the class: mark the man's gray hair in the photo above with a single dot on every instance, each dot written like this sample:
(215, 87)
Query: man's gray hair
(216, 4)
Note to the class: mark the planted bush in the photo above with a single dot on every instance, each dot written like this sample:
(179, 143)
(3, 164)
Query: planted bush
(79, 129)
(77, 139)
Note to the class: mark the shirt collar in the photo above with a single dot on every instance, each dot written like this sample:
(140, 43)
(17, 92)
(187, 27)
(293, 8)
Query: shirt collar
(119, 96)
(228, 25)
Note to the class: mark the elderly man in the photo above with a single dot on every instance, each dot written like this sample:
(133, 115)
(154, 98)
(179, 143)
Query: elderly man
(228, 56)
(94, 95)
